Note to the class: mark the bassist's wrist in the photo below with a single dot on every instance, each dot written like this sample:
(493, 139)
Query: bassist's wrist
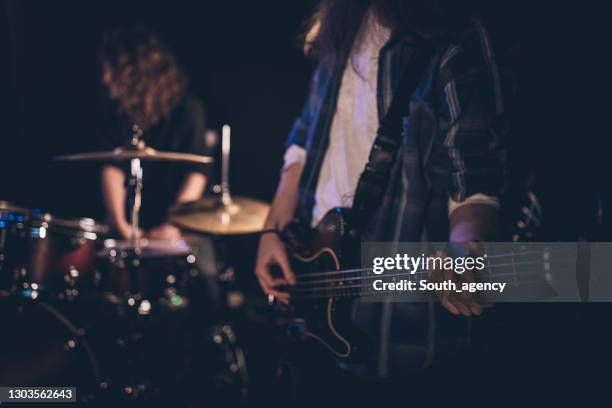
(276, 223)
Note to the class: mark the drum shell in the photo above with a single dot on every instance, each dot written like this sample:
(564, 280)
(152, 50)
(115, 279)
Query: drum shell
(50, 344)
(177, 356)
(53, 256)
(150, 277)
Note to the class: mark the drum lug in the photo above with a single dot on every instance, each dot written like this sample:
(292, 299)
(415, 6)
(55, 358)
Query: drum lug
(73, 272)
(70, 344)
(70, 294)
(97, 278)
(228, 275)
(70, 278)
(235, 299)
(134, 391)
(144, 308)
(29, 290)
(173, 300)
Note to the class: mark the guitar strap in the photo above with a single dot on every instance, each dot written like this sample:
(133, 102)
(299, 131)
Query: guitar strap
(374, 178)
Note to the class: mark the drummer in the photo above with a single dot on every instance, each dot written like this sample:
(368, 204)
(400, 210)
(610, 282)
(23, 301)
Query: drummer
(147, 87)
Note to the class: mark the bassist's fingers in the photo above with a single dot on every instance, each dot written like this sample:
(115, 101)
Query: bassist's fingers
(282, 297)
(264, 276)
(475, 309)
(286, 268)
(269, 289)
(268, 283)
(267, 279)
(464, 309)
(449, 306)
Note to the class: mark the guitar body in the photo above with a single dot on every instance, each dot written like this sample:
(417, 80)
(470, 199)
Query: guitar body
(331, 246)
(326, 262)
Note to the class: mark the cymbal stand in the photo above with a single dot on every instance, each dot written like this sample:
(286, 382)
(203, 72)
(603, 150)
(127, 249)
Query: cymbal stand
(135, 193)
(135, 187)
(226, 198)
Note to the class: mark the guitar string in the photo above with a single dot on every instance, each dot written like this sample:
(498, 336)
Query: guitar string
(419, 272)
(305, 277)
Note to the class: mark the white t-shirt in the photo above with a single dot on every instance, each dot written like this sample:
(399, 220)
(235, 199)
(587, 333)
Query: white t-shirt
(354, 127)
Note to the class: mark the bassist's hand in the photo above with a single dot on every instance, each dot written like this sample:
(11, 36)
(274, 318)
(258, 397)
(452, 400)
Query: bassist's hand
(272, 253)
(464, 303)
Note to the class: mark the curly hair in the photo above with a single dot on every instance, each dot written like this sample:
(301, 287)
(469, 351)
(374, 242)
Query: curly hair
(145, 78)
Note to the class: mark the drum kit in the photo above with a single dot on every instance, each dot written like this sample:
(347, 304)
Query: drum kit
(123, 321)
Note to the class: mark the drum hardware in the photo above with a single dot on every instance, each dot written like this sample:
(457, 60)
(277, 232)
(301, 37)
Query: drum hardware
(135, 182)
(235, 299)
(135, 151)
(142, 315)
(224, 337)
(224, 214)
(45, 255)
(227, 275)
(162, 272)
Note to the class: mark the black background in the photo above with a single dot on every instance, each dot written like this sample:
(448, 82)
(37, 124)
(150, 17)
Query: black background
(245, 62)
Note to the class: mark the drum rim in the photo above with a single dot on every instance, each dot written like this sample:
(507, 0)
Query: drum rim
(177, 248)
(78, 224)
(84, 224)
(7, 207)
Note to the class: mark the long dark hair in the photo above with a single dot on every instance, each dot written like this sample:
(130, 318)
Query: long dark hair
(336, 23)
(147, 80)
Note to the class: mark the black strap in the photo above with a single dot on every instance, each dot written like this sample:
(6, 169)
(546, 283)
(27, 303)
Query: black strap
(374, 178)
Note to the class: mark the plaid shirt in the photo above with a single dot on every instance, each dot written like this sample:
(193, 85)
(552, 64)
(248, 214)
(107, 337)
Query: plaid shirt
(454, 138)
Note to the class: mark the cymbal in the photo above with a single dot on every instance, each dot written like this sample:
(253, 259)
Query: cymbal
(144, 154)
(209, 216)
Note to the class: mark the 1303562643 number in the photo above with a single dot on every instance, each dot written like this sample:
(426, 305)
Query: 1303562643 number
(33, 394)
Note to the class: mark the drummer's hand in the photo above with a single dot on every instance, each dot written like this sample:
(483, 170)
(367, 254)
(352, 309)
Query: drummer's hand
(272, 252)
(125, 231)
(166, 232)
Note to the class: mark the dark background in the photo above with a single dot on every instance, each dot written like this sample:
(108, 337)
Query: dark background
(242, 57)
(245, 62)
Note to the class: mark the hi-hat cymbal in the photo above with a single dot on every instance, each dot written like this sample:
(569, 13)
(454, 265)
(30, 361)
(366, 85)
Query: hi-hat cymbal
(144, 154)
(209, 216)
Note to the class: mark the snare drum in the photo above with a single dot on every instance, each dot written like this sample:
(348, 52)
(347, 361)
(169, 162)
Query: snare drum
(43, 254)
(162, 270)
